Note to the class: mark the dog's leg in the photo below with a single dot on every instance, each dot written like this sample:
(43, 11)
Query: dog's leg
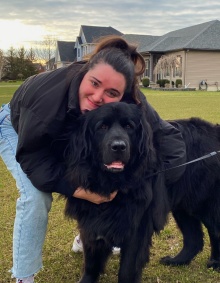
(135, 254)
(95, 258)
(129, 270)
(192, 239)
(214, 261)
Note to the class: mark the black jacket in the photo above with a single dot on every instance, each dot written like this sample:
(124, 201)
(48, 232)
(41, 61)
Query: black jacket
(40, 111)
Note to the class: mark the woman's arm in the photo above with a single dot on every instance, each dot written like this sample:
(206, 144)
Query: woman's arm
(92, 197)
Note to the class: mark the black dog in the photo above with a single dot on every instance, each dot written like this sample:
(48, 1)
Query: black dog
(195, 197)
(113, 149)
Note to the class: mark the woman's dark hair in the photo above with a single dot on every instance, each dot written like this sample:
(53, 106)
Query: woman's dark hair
(116, 52)
(123, 57)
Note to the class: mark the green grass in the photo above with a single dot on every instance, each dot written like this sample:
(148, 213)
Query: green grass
(185, 104)
(60, 264)
(7, 90)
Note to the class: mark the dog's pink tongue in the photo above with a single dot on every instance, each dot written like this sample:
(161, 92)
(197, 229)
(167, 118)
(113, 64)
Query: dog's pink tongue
(115, 164)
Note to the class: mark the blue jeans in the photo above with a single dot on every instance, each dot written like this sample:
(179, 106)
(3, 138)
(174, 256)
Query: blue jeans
(31, 210)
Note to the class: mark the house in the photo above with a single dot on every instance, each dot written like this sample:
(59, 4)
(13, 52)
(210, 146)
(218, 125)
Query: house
(197, 48)
(39, 67)
(88, 35)
(68, 52)
(65, 53)
(50, 65)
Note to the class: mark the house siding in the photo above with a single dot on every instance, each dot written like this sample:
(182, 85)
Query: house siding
(78, 52)
(87, 49)
(198, 66)
(58, 62)
(202, 65)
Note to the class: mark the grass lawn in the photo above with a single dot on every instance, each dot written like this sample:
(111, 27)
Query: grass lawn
(60, 264)
(185, 104)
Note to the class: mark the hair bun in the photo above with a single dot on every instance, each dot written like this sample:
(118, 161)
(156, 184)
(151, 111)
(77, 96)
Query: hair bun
(128, 49)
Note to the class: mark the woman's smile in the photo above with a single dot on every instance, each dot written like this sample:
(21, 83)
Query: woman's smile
(100, 85)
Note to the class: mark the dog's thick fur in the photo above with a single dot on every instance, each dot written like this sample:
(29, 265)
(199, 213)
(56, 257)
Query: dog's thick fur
(195, 197)
(112, 149)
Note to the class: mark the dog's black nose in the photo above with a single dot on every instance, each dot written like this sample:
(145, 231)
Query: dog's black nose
(118, 145)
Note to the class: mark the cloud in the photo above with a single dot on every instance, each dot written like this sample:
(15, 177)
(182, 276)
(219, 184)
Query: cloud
(63, 18)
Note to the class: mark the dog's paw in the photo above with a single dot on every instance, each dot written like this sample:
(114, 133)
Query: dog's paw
(214, 264)
(168, 260)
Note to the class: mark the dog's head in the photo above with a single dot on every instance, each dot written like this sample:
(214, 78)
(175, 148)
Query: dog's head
(112, 137)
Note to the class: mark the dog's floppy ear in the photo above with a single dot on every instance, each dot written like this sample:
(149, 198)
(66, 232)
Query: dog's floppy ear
(79, 148)
(146, 147)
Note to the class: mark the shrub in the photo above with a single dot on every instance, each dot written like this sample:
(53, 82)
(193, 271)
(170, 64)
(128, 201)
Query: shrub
(146, 81)
(162, 82)
(178, 82)
(159, 82)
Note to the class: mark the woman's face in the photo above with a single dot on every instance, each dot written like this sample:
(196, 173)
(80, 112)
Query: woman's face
(100, 85)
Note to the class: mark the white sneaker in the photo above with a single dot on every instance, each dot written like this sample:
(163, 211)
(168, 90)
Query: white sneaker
(25, 280)
(78, 246)
(116, 251)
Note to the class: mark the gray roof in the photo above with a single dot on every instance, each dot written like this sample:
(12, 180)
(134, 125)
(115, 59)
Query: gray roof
(204, 36)
(66, 51)
(79, 39)
(92, 33)
(141, 41)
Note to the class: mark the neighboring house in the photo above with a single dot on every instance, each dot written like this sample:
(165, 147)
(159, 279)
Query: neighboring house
(65, 53)
(198, 49)
(88, 36)
(39, 67)
(68, 52)
(50, 65)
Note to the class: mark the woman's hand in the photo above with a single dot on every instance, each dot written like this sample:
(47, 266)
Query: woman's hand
(92, 197)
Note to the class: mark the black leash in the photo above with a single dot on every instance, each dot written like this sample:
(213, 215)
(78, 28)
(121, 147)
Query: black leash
(211, 154)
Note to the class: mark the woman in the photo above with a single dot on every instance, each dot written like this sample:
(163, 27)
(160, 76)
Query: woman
(40, 113)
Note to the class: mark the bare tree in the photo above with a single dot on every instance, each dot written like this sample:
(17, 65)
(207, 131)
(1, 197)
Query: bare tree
(167, 64)
(45, 50)
(31, 55)
(2, 62)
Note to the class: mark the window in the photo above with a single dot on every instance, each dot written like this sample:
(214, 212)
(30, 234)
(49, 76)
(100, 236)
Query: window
(177, 72)
(78, 52)
(147, 70)
(167, 72)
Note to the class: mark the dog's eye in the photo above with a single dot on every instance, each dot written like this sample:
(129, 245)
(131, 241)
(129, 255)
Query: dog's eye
(104, 127)
(129, 125)
(101, 125)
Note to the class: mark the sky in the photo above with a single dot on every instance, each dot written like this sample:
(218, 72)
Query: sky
(23, 22)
